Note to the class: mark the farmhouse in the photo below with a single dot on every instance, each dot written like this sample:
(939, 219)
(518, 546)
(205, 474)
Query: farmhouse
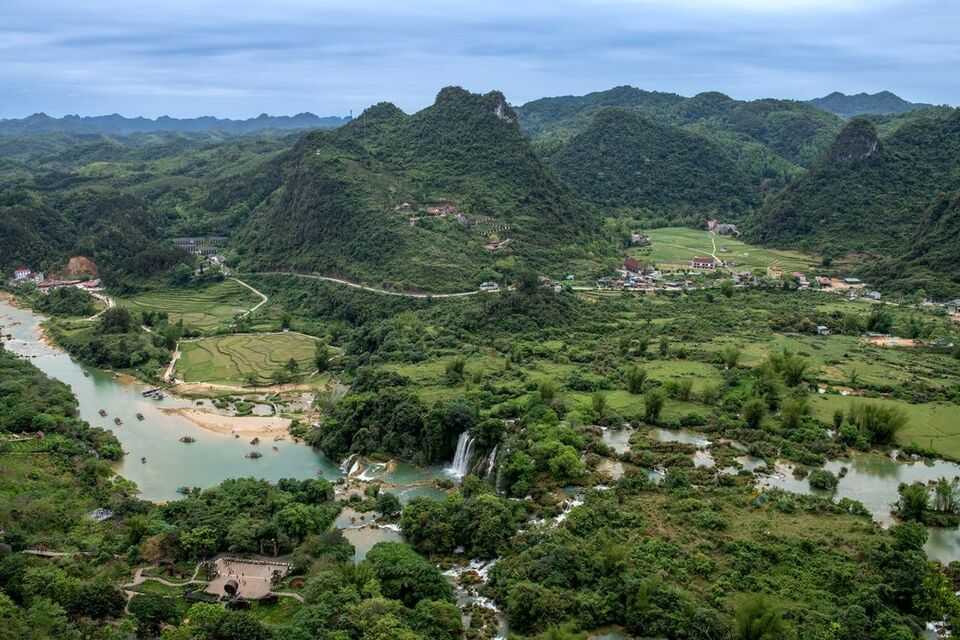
(775, 271)
(633, 265)
(639, 240)
(21, 273)
(823, 281)
(953, 307)
(700, 262)
(489, 285)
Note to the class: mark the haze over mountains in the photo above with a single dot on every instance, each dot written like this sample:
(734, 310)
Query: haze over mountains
(471, 188)
(118, 125)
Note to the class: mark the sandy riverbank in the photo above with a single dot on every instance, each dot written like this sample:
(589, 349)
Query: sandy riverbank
(246, 426)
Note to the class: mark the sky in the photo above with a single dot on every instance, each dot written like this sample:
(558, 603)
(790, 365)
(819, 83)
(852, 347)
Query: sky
(238, 58)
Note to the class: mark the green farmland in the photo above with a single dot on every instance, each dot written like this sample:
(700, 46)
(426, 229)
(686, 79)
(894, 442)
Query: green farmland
(202, 308)
(225, 359)
(674, 247)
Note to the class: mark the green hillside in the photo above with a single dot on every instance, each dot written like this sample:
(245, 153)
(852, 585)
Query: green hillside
(623, 159)
(865, 194)
(795, 131)
(348, 196)
(882, 103)
(930, 261)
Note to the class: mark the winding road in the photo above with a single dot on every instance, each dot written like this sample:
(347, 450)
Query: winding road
(385, 292)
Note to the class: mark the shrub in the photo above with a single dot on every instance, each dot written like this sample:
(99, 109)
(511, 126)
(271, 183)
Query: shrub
(823, 479)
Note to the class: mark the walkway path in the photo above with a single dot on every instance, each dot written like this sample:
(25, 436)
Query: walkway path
(107, 300)
(385, 292)
(262, 296)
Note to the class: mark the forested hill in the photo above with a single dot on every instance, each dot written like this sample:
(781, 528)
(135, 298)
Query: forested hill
(625, 160)
(929, 261)
(795, 131)
(116, 199)
(118, 125)
(882, 103)
(864, 194)
(412, 199)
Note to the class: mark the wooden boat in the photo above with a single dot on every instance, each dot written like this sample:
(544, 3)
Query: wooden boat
(276, 449)
(143, 460)
(255, 441)
(103, 412)
(86, 374)
(254, 455)
(185, 490)
(117, 421)
(139, 416)
(188, 439)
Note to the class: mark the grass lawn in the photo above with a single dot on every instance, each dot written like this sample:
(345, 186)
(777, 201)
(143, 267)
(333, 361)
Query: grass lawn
(675, 246)
(934, 425)
(225, 359)
(279, 613)
(202, 308)
(155, 588)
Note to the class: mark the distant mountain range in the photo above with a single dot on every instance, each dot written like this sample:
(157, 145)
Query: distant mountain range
(883, 103)
(119, 125)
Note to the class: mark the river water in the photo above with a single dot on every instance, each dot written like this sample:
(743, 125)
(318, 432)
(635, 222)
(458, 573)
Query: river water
(170, 463)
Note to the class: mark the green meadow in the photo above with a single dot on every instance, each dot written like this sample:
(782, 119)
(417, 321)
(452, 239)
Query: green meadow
(225, 359)
(203, 308)
(674, 247)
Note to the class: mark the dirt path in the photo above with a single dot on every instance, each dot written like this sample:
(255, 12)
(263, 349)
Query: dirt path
(263, 296)
(107, 300)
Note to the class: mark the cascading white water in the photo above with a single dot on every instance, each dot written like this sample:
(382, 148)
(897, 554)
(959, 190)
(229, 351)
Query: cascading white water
(492, 460)
(461, 459)
(497, 483)
(348, 463)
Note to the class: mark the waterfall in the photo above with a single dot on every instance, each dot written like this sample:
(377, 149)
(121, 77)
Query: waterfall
(348, 463)
(492, 460)
(497, 483)
(461, 459)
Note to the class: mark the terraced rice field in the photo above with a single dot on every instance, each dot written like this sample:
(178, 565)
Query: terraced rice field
(225, 359)
(674, 247)
(202, 308)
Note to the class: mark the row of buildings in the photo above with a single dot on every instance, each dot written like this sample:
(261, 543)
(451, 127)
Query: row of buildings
(202, 246)
(24, 275)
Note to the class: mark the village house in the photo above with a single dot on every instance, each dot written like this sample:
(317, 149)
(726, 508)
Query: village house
(632, 265)
(489, 285)
(639, 240)
(699, 262)
(823, 330)
(823, 281)
(953, 307)
(775, 271)
(801, 279)
(21, 273)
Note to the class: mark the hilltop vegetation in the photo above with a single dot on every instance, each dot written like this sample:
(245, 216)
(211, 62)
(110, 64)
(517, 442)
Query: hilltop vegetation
(794, 131)
(338, 209)
(864, 194)
(623, 159)
(881, 103)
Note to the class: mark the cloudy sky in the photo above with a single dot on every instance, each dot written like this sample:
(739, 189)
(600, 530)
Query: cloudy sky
(240, 58)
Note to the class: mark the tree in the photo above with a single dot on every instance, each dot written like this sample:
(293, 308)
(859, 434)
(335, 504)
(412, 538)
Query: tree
(914, 501)
(388, 504)
(635, 378)
(321, 357)
(753, 411)
(664, 347)
(406, 576)
(295, 520)
(757, 617)
(599, 403)
(946, 496)
(880, 423)
(528, 282)
(792, 411)
(731, 356)
(199, 542)
(250, 378)
(116, 320)
(285, 320)
(726, 288)
(653, 402)
(823, 479)
(548, 390)
(150, 611)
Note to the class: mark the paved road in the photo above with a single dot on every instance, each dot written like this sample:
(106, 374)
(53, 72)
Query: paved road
(357, 285)
(262, 296)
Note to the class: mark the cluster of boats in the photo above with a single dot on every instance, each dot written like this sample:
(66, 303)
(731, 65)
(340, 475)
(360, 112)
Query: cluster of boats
(117, 421)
